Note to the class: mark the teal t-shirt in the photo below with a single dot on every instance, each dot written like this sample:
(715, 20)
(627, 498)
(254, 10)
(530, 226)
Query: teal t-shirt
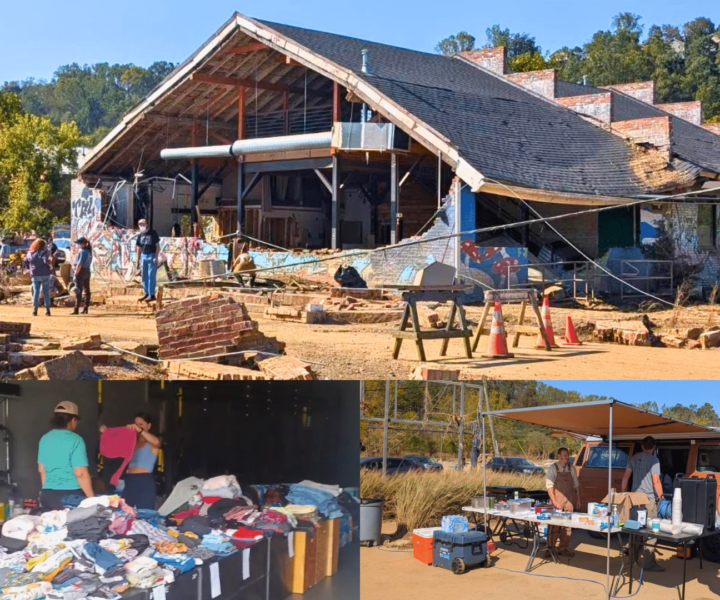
(60, 452)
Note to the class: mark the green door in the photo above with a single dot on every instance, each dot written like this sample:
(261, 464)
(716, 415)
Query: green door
(616, 229)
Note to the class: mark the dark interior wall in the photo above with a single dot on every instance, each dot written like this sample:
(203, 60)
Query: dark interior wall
(262, 432)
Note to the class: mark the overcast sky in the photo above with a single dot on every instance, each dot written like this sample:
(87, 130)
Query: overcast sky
(40, 35)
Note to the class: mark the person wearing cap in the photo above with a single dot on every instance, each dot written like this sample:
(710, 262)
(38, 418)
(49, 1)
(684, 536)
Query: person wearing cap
(62, 460)
(81, 275)
(148, 248)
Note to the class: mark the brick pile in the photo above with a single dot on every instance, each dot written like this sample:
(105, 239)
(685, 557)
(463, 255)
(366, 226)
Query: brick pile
(15, 329)
(204, 326)
(179, 370)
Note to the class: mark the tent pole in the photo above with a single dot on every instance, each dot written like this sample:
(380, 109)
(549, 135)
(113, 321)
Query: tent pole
(460, 428)
(484, 473)
(612, 500)
(385, 426)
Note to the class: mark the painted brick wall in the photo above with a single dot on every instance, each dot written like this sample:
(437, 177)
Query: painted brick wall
(642, 90)
(492, 59)
(597, 106)
(654, 131)
(541, 82)
(690, 111)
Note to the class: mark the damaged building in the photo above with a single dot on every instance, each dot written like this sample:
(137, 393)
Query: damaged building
(308, 142)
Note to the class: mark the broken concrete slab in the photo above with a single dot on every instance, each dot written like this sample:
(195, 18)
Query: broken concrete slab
(208, 326)
(23, 360)
(629, 333)
(285, 367)
(134, 347)
(710, 339)
(15, 329)
(178, 370)
(93, 341)
(426, 373)
(71, 366)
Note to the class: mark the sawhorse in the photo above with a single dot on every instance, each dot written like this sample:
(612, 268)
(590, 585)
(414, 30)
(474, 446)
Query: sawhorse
(414, 294)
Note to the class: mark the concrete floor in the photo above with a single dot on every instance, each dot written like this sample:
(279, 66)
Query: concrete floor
(344, 585)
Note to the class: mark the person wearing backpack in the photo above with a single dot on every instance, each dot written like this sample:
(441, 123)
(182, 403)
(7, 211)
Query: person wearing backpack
(38, 262)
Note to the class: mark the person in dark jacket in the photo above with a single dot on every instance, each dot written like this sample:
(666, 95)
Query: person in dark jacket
(81, 275)
(39, 262)
(148, 248)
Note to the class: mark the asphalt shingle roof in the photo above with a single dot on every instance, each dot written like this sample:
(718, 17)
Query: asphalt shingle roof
(504, 131)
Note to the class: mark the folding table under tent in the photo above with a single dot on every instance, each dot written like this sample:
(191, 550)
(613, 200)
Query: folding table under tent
(607, 419)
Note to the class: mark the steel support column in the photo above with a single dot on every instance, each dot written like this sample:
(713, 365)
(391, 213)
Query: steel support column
(394, 193)
(334, 215)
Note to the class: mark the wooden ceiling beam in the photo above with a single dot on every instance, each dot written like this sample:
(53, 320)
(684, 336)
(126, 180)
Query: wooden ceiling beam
(248, 83)
(247, 48)
(172, 120)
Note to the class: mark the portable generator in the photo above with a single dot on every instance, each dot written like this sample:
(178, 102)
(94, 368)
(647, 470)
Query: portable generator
(457, 551)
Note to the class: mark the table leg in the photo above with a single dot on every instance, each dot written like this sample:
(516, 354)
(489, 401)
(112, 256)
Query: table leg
(536, 546)
(700, 551)
(622, 564)
(682, 596)
(448, 327)
(416, 326)
(403, 327)
(481, 325)
(632, 561)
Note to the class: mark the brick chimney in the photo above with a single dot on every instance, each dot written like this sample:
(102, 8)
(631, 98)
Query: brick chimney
(596, 106)
(642, 90)
(689, 111)
(541, 82)
(492, 59)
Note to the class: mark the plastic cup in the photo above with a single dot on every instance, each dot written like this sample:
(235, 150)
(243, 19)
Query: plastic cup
(656, 524)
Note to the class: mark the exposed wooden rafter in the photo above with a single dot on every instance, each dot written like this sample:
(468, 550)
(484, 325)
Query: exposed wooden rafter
(248, 83)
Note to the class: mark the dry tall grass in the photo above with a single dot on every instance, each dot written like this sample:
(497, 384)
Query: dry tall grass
(422, 499)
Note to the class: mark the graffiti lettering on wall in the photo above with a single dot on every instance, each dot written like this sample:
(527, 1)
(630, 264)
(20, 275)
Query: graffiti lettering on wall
(114, 249)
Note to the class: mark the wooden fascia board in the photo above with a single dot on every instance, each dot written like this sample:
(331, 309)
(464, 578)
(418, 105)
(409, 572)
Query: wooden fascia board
(549, 197)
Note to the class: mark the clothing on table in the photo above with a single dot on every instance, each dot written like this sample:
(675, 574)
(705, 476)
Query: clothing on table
(192, 511)
(13, 544)
(564, 487)
(92, 529)
(171, 547)
(220, 482)
(55, 499)
(219, 544)
(201, 553)
(189, 539)
(184, 562)
(115, 545)
(140, 490)
(152, 516)
(47, 539)
(154, 534)
(138, 542)
(643, 466)
(185, 491)
(95, 501)
(197, 524)
(118, 442)
(73, 500)
(20, 527)
(31, 591)
(325, 502)
(52, 520)
(60, 452)
(242, 514)
(331, 489)
(102, 558)
(148, 264)
(41, 283)
(121, 524)
(556, 468)
(78, 514)
(246, 537)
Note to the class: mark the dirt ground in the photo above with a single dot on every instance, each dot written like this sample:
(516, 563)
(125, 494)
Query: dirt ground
(396, 575)
(364, 351)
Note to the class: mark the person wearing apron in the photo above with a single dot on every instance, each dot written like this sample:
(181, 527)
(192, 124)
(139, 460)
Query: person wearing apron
(564, 490)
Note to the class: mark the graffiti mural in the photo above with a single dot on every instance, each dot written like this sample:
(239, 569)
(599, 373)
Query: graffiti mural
(495, 266)
(114, 252)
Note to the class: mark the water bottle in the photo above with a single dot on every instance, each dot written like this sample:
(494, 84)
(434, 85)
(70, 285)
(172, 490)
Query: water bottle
(615, 520)
(517, 495)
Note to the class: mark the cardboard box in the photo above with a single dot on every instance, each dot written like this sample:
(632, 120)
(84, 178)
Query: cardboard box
(625, 501)
(304, 562)
(331, 566)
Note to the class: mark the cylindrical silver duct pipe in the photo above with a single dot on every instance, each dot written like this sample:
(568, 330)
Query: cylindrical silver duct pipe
(305, 141)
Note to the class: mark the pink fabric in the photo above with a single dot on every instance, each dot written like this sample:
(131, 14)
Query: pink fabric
(118, 442)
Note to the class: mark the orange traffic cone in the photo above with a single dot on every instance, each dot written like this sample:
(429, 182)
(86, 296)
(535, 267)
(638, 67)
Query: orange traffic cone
(571, 338)
(547, 321)
(497, 346)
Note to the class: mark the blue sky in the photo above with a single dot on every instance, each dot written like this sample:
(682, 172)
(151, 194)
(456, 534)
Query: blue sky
(40, 35)
(662, 392)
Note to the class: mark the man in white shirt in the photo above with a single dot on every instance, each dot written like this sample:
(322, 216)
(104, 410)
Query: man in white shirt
(563, 487)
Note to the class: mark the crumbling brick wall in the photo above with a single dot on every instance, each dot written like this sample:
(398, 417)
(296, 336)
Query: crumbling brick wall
(204, 326)
(492, 59)
(641, 90)
(597, 106)
(690, 111)
(653, 130)
(541, 82)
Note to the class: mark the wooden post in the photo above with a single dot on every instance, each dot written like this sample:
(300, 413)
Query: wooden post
(286, 111)
(394, 192)
(195, 181)
(334, 215)
(336, 113)
(241, 114)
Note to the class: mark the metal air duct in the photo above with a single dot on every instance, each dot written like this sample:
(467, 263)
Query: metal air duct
(305, 141)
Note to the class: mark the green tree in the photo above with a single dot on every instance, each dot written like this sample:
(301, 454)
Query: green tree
(462, 42)
(515, 43)
(36, 160)
(530, 61)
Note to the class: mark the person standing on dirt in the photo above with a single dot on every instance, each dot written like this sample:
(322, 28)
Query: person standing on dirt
(38, 262)
(62, 460)
(563, 488)
(81, 275)
(644, 468)
(148, 248)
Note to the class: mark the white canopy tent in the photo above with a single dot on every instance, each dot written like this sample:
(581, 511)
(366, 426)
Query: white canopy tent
(608, 419)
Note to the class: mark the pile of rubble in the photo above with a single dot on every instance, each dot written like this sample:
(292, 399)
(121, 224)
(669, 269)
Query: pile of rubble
(642, 333)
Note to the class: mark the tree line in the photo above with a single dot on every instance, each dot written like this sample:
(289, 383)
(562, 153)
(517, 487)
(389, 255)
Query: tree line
(684, 61)
(430, 402)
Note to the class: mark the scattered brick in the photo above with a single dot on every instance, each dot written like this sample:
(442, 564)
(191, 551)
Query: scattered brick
(424, 373)
(93, 341)
(177, 370)
(15, 329)
(285, 367)
(70, 366)
(710, 339)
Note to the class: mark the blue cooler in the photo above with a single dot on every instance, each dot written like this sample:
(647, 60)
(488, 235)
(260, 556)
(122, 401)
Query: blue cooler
(456, 551)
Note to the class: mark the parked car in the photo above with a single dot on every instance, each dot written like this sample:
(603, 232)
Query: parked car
(426, 462)
(513, 464)
(691, 458)
(395, 466)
